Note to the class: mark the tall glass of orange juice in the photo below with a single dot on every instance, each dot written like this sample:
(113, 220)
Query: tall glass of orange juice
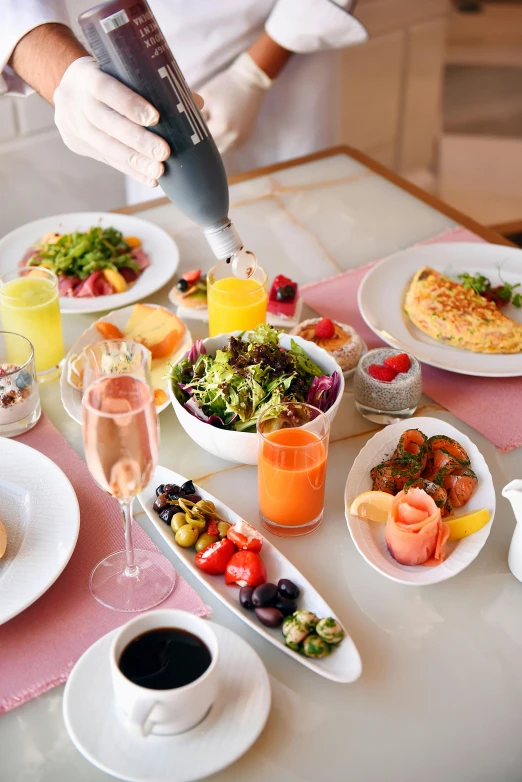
(293, 451)
(235, 304)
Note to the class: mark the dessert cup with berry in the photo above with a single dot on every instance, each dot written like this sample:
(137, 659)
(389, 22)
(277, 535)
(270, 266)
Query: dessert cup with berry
(341, 341)
(387, 385)
(19, 396)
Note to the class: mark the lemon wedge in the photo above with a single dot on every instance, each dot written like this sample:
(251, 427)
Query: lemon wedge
(372, 505)
(462, 526)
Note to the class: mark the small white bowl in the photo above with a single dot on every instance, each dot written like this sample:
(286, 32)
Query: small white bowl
(242, 446)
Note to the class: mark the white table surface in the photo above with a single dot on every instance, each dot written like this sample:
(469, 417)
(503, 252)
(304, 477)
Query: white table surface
(440, 696)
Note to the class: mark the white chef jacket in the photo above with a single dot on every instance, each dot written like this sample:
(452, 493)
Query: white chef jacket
(299, 113)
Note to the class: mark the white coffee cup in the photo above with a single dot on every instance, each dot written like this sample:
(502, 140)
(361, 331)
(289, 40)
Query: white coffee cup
(164, 712)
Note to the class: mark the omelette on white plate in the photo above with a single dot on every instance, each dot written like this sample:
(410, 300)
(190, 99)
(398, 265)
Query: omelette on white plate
(458, 316)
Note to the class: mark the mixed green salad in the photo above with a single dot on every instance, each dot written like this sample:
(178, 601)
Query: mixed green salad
(248, 375)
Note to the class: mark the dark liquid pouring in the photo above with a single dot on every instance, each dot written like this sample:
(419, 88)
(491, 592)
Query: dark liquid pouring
(164, 659)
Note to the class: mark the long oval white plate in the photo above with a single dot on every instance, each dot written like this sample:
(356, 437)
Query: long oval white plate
(368, 536)
(40, 511)
(382, 292)
(72, 397)
(342, 665)
(159, 246)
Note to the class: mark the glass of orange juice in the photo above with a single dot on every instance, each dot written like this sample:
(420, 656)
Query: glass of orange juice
(293, 450)
(235, 304)
(30, 305)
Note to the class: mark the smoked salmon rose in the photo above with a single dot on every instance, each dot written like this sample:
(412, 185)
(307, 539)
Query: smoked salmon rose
(415, 532)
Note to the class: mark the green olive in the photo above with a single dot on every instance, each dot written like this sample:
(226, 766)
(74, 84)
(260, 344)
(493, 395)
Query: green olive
(186, 536)
(205, 540)
(178, 520)
(223, 528)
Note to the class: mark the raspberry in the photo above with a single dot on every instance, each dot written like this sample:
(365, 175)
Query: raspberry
(386, 374)
(400, 363)
(325, 328)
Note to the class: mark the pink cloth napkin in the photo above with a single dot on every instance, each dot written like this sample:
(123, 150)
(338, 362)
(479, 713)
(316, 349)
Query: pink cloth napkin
(492, 406)
(39, 647)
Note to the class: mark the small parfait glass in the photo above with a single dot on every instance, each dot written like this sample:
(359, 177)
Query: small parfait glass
(19, 396)
(386, 402)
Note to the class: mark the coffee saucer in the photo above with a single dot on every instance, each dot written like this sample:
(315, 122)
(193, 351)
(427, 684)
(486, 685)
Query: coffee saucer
(230, 728)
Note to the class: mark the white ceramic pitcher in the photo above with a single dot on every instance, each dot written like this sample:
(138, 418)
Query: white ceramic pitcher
(513, 492)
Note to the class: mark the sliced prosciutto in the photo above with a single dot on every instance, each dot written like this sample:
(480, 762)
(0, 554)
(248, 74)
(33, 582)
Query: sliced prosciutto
(415, 532)
(67, 285)
(94, 285)
(141, 258)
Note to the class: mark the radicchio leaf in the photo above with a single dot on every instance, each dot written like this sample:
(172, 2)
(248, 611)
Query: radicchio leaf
(323, 391)
(214, 420)
(196, 350)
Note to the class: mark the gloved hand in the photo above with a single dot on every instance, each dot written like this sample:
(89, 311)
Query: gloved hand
(99, 117)
(232, 101)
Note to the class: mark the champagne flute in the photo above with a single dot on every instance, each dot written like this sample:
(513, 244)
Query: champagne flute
(120, 435)
(115, 356)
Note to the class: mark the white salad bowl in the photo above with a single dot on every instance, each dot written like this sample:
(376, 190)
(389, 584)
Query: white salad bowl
(242, 446)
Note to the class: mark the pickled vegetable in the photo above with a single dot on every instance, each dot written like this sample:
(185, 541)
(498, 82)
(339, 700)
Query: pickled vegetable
(205, 540)
(187, 536)
(178, 520)
(223, 527)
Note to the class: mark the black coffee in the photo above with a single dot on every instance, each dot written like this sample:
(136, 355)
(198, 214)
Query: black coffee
(164, 659)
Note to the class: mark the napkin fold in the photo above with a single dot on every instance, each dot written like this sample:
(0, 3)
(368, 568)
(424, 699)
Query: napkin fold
(490, 405)
(39, 647)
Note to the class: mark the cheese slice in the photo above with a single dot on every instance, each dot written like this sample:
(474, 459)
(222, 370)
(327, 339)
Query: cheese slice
(138, 315)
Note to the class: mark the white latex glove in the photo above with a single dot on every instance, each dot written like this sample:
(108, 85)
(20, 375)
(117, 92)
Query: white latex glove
(232, 101)
(99, 117)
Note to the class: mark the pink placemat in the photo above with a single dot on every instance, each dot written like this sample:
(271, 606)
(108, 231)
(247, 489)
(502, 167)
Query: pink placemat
(490, 405)
(39, 647)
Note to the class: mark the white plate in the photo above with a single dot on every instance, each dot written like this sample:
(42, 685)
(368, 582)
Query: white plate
(72, 397)
(368, 536)
(382, 292)
(342, 665)
(232, 725)
(40, 511)
(159, 246)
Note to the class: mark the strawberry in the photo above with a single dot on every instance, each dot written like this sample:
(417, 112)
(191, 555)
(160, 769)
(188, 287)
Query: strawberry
(192, 276)
(386, 374)
(325, 329)
(400, 363)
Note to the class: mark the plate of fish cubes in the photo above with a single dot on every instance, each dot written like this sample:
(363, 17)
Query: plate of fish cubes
(419, 501)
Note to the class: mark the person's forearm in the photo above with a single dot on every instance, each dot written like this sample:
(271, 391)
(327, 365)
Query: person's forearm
(268, 55)
(43, 55)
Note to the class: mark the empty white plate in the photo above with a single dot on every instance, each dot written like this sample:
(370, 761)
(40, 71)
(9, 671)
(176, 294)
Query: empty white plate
(368, 536)
(230, 728)
(39, 509)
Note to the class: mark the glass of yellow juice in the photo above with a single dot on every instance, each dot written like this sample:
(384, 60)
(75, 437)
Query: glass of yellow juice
(235, 304)
(30, 305)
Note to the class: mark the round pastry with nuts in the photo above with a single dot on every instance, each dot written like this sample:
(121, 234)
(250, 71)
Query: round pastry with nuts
(340, 340)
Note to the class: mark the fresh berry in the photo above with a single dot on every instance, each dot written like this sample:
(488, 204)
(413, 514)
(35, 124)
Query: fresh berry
(287, 293)
(400, 363)
(192, 276)
(385, 374)
(325, 329)
(182, 286)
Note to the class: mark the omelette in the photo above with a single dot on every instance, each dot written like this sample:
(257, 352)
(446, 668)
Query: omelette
(459, 316)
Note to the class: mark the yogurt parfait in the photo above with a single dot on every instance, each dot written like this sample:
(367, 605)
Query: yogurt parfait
(19, 396)
(387, 385)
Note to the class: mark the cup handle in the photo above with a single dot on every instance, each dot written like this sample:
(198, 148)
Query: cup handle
(139, 718)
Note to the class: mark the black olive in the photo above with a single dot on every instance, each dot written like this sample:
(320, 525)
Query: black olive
(245, 597)
(188, 488)
(288, 589)
(174, 495)
(191, 497)
(171, 488)
(167, 513)
(270, 617)
(285, 605)
(160, 490)
(161, 503)
(264, 595)
(183, 285)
